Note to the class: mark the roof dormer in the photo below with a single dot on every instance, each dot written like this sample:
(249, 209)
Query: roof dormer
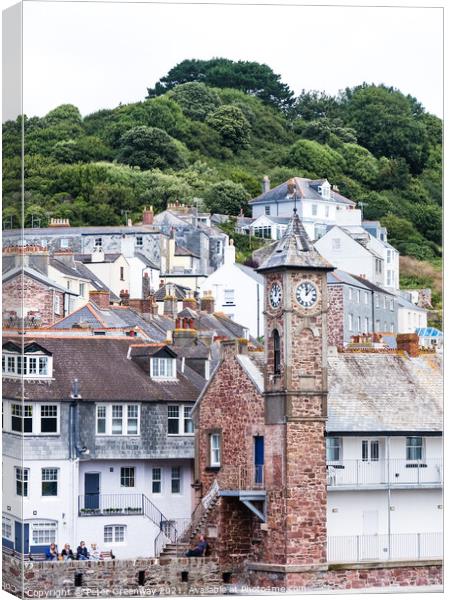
(35, 362)
(325, 190)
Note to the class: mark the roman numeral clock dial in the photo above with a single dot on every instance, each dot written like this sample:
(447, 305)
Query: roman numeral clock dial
(306, 294)
(275, 295)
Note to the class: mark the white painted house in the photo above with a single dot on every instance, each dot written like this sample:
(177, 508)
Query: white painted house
(352, 255)
(318, 204)
(410, 315)
(238, 292)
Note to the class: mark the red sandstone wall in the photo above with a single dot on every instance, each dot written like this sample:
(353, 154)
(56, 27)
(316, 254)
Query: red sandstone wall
(36, 297)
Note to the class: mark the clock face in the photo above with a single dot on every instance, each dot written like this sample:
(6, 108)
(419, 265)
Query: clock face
(306, 294)
(275, 295)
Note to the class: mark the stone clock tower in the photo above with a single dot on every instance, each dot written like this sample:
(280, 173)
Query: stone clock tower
(295, 402)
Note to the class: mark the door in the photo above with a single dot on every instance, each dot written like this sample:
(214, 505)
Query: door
(370, 539)
(370, 465)
(22, 537)
(258, 459)
(92, 490)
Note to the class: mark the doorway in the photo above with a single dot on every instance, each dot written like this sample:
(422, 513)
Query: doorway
(91, 490)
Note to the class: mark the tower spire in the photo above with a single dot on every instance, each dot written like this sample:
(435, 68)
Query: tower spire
(295, 250)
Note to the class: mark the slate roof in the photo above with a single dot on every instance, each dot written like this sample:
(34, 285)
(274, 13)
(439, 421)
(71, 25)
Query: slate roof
(338, 276)
(372, 286)
(295, 250)
(146, 261)
(104, 373)
(251, 272)
(89, 230)
(404, 303)
(109, 257)
(181, 251)
(81, 271)
(378, 392)
(305, 189)
(38, 276)
(179, 290)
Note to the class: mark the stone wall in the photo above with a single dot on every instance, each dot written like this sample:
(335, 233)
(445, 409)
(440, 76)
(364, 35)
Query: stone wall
(347, 576)
(335, 316)
(143, 577)
(36, 297)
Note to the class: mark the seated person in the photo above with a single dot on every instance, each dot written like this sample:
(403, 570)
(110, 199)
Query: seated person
(94, 552)
(81, 552)
(200, 548)
(52, 552)
(67, 553)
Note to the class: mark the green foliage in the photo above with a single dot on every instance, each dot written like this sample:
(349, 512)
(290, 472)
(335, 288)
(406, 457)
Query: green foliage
(209, 132)
(249, 77)
(196, 100)
(226, 197)
(318, 160)
(244, 244)
(149, 148)
(232, 125)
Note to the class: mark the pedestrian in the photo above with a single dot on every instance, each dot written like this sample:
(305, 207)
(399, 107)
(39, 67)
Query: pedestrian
(81, 552)
(199, 549)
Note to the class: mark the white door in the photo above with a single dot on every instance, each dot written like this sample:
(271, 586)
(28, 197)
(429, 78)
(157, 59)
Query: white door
(371, 465)
(370, 539)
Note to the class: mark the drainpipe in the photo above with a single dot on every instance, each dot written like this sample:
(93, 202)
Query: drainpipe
(372, 301)
(389, 497)
(258, 310)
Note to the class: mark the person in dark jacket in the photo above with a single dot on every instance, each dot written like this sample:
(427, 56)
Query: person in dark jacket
(67, 553)
(200, 548)
(81, 552)
(52, 552)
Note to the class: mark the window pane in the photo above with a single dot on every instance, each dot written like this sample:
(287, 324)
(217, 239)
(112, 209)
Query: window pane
(188, 423)
(176, 480)
(156, 487)
(49, 418)
(127, 477)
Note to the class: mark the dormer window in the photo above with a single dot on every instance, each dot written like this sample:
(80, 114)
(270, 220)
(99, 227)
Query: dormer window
(163, 368)
(36, 363)
(325, 190)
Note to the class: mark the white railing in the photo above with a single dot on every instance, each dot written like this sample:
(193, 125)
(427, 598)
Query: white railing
(395, 546)
(389, 472)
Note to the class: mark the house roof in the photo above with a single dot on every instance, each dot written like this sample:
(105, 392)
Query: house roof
(181, 251)
(306, 188)
(251, 273)
(295, 250)
(372, 286)
(105, 373)
(404, 303)
(432, 332)
(377, 392)
(338, 277)
(180, 291)
(146, 261)
(90, 230)
(109, 257)
(38, 276)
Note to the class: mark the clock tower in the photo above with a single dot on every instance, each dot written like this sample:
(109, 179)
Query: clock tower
(295, 401)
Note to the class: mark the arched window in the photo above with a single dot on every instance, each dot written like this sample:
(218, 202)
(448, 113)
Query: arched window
(277, 352)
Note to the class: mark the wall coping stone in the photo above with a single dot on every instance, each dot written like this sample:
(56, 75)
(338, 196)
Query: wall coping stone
(279, 568)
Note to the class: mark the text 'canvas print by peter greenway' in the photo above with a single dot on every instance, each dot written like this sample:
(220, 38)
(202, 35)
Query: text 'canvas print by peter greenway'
(222, 299)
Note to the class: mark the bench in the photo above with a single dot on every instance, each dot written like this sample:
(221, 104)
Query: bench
(106, 555)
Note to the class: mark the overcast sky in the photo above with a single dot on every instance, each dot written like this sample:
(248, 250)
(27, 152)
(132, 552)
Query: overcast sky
(96, 55)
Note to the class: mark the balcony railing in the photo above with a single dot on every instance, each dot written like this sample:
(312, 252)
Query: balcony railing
(395, 546)
(385, 472)
(241, 477)
(110, 504)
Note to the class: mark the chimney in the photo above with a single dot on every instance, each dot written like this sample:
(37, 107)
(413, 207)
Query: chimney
(190, 301)
(97, 255)
(59, 223)
(170, 302)
(229, 253)
(265, 184)
(229, 348)
(151, 304)
(148, 216)
(101, 298)
(185, 332)
(291, 186)
(208, 302)
(33, 256)
(408, 342)
(65, 256)
(124, 297)
(130, 223)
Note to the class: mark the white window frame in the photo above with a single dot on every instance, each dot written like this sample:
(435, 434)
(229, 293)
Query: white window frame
(21, 411)
(366, 297)
(326, 211)
(28, 366)
(139, 241)
(22, 476)
(178, 470)
(98, 242)
(267, 210)
(56, 304)
(334, 444)
(314, 210)
(181, 418)
(114, 530)
(229, 296)
(50, 471)
(167, 365)
(215, 449)
(64, 243)
(366, 325)
(43, 533)
(351, 322)
(129, 475)
(157, 480)
(392, 304)
(7, 523)
(108, 419)
(412, 446)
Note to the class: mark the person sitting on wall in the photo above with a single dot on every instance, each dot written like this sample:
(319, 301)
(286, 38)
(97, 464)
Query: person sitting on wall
(200, 548)
(67, 553)
(81, 552)
(52, 552)
(94, 552)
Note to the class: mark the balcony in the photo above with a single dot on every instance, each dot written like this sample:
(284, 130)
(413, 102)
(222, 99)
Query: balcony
(385, 473)
(247, 483)
(383, 547)
(107, 505)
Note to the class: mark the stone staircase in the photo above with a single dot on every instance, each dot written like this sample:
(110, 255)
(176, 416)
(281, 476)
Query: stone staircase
(173, 550)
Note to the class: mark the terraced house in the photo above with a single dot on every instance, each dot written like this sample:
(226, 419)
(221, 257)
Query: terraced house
(108, 441)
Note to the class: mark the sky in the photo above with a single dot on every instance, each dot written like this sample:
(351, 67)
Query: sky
(96, 55)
